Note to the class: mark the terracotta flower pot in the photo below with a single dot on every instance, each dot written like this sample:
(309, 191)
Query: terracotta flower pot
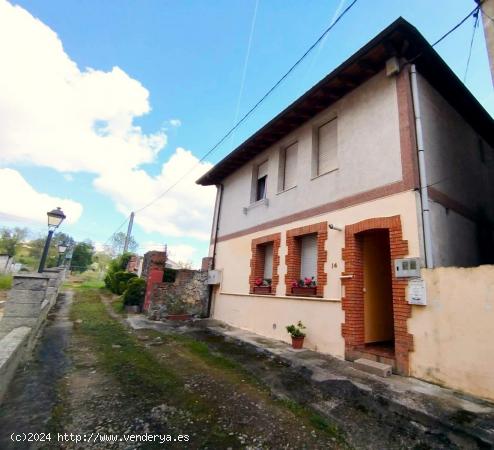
(298, 342)
(264, 290)
(304, 291)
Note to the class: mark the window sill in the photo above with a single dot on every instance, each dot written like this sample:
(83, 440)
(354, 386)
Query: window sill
(264, 201)
(286, 190)
(325, 173)
(284, 297)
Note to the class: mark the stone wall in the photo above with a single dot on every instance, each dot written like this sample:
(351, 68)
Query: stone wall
(187, 295)
(28, 303)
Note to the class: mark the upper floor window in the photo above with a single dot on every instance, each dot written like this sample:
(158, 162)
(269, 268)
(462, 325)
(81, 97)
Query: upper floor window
(288, 167)
(261, 183)
(326, 155)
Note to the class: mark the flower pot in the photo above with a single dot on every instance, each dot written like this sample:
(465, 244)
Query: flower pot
(178, 316)
(304, 291)
(263, 290)
(298, 342)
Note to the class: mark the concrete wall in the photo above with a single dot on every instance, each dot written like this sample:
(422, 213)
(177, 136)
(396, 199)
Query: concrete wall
(452, 335)
(323, 317)
(28, 303)
(368, 157)
(461, 167)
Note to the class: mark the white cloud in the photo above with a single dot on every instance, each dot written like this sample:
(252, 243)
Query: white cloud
(186, 211)
(68, 177)
(29, 205)
(54, 114)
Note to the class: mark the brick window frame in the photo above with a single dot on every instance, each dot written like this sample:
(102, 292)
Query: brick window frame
(353, 300)
(257, 260)
(292, 258)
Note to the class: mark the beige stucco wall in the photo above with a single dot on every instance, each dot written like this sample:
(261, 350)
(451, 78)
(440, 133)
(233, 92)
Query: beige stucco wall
(323, 317)
(455, 167)
(368, 157)
(453, 343)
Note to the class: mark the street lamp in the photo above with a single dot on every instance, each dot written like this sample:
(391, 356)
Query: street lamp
(61, 250)
(55, 218)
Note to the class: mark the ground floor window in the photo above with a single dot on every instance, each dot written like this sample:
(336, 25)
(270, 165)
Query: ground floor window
(264, 264)
(305, 260)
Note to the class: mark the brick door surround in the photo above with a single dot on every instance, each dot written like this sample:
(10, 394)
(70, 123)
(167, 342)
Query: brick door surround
(353, 300)
(257, 260)
(292, 258)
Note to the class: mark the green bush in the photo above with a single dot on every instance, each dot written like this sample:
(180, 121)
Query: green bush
(120, 281)
(116, 265)
(134, 295)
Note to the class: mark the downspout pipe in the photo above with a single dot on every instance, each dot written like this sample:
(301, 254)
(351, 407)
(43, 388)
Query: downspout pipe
(213, 261)
(424, 194)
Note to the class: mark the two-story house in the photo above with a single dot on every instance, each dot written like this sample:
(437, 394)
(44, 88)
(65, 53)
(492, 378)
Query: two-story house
(387, 157)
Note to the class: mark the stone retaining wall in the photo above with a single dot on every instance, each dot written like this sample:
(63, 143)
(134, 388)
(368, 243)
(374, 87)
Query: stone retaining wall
(187, 295)
(28, 303)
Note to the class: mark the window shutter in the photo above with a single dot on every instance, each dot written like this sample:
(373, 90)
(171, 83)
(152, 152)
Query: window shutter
(327, 147)
(290, 176)
(262, 170)
(308, 256)
(268, 261)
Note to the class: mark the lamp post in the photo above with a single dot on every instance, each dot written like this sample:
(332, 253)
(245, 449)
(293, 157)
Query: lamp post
(61, 250)
(55, 218)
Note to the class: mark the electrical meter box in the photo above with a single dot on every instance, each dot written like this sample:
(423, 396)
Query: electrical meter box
(407, 268)
(214, 276)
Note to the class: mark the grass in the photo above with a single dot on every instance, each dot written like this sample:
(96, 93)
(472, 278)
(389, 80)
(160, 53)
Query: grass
(134, 368)
(147, 380)
(5, 282)
(141, 376)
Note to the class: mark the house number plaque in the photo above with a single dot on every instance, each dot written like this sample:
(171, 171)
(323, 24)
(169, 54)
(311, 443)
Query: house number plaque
(416, 294)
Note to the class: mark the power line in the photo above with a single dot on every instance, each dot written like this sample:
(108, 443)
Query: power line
(458, 25)
(117, 230)
(251, 110)
(475, 24)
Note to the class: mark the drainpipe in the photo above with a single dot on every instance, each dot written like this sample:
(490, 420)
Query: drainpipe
(424, 194)
(213, 261)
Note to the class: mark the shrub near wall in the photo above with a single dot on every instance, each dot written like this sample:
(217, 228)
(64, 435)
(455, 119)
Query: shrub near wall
(120, 282)
(134, 294)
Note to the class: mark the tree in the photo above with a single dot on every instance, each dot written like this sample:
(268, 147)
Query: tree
(117, 243)
(10, 238)
(82, 256)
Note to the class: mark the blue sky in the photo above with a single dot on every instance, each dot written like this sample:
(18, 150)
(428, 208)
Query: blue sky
(189, 57)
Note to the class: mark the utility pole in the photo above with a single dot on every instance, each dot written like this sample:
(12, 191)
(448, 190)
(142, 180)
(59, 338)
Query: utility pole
(487, 10)
(129, 232)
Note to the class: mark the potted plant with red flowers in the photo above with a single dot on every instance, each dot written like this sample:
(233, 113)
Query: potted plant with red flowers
(305, 288)
(262, 286)
(297, 334)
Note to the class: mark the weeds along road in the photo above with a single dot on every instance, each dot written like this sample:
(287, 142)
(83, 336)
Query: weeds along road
(95, 378)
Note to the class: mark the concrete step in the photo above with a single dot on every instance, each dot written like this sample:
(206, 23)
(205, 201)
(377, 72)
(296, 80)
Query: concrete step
(376, 368)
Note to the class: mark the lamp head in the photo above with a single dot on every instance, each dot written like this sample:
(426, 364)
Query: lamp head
(55, 218)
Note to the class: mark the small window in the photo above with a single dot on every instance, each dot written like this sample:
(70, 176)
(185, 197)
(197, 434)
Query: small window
(327, 149)
(288, 167)
(308, 256)
(261, 182)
